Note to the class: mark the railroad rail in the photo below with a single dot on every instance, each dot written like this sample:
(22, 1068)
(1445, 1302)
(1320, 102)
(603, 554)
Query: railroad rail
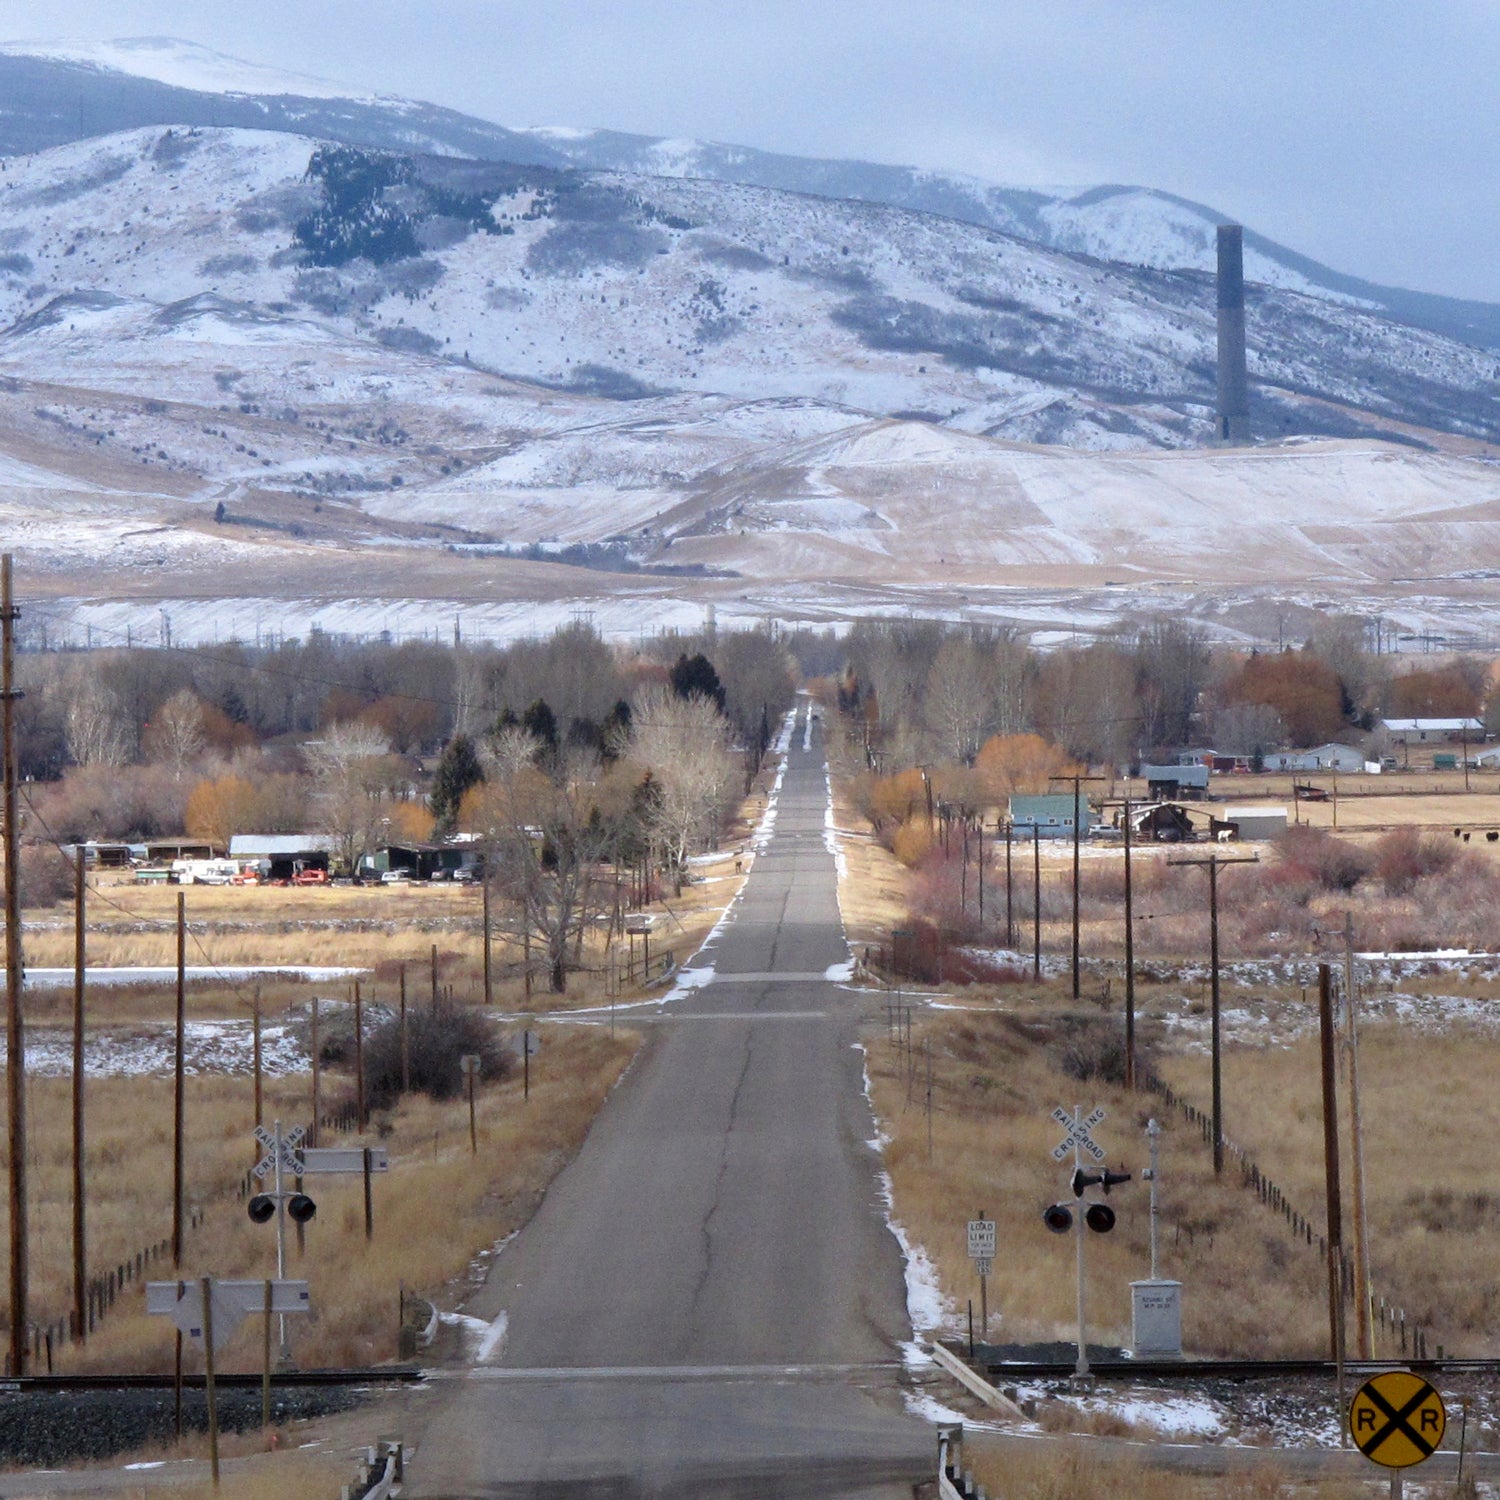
(377, 1375)
(998, 1371)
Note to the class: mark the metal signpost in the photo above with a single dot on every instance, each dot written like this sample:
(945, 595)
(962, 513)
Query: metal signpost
(1077, 1141)
(1397, 1420)
(982, 1253)
(1098, 1217)
(287, 1157)
(1156, 1304)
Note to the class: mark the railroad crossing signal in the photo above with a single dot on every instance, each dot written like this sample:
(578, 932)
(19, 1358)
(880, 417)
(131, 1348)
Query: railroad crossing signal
(1078, 1136)
(1397, 1419)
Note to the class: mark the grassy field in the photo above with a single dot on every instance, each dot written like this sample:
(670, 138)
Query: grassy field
(995, 1081)
(1017, 1050)
(1079, 1471)
(435, 1210)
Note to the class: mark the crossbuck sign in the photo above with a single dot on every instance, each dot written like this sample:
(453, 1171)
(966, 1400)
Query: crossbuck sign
(1078, 1127)
(286, 1145)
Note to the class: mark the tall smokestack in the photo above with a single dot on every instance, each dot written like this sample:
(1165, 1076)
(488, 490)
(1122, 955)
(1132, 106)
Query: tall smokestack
(1233, 406)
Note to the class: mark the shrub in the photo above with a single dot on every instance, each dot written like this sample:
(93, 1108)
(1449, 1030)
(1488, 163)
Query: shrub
(1403, 857)
(1333, 863)
(436, 1040)
(912, 842)
(1093, 1051)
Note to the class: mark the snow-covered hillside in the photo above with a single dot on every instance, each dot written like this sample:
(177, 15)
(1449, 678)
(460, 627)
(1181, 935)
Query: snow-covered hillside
(59, 91)
(186, 65)
(629, 287)
(248, 383)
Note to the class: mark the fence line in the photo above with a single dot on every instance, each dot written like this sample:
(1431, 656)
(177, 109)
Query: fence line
(1412, 1336)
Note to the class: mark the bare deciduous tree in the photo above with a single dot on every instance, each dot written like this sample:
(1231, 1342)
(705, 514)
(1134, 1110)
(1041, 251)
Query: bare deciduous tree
(349, 774)
(96, 729)
(684, 743)
(175, 733)
(544, 838)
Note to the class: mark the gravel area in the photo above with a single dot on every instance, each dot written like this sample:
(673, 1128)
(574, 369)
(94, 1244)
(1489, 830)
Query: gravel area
(43, 1429)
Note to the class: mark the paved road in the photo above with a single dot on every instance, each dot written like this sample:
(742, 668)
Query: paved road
(708, 1301)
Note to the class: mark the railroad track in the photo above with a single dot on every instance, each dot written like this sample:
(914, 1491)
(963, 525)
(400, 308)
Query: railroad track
(1000, 1371)
(378, 1375)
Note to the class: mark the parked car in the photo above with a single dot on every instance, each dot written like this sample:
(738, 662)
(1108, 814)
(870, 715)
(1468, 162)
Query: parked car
(396, 877)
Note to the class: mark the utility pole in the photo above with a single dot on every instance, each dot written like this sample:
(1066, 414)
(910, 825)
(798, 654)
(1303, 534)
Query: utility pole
(1213, 864)
(15, 1032)
(1036, 904)
(1130, 996)
(1363, 1330)
(179, 1082)
(489, 983)
(1078, 804)
(359, 1059)
(1010, 911)
(1334, 1210)
(80, 1255)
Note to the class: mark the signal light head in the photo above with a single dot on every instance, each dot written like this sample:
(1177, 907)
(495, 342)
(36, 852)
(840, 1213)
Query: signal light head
(260, 1208)
(1058, 1218)
(301, 1208)
(1100, 1217)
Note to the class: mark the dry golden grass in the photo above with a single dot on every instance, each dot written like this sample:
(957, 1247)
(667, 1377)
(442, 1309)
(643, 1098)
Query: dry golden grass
(1249, 1290)
(438, 1206)
(1081, 1471)
(355, 926)
(1430, 1116)
(284, 1476)
(873, 886)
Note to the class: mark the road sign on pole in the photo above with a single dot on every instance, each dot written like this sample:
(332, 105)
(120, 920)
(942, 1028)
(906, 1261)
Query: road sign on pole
(320, 1159)
(1397, 1419)
(981, 1239)
(233, 1302)
(983, 1264)
(1078, 1137)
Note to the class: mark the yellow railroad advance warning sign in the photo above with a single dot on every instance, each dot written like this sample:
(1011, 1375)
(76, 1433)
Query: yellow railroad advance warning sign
(1397, 1419)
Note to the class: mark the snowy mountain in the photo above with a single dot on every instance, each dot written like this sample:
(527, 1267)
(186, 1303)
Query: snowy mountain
(629, 287)
(57, 92)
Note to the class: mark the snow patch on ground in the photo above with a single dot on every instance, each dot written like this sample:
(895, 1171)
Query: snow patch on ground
(493, 1341)
(52, 979)
(928, 1309)
(210, 1047)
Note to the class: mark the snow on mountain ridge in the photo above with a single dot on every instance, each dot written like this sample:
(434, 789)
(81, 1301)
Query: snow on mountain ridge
(186, 65)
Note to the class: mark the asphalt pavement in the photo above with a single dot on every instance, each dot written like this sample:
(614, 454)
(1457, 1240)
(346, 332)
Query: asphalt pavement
(708, 1301)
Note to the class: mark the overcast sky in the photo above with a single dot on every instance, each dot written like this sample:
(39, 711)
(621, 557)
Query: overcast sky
(1363, 134)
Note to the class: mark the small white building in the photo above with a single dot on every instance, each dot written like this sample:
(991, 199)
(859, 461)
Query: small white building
(1330, 757)
(1432, 731)
(1252, 822)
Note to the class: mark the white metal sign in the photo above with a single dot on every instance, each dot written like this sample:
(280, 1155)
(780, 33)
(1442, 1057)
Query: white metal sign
(290, 1157)
(317, 1159)
(981, 1239)
(1078, 1134)
(983, 1264)
(233, 1302)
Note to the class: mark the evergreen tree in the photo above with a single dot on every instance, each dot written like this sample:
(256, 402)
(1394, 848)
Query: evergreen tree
(694, 677)
(457, 771)
(541, 724)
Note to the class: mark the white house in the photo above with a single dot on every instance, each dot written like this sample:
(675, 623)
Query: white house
(1432, 731)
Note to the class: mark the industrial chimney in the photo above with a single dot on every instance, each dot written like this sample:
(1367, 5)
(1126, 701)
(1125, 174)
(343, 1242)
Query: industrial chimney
(1233, 405)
